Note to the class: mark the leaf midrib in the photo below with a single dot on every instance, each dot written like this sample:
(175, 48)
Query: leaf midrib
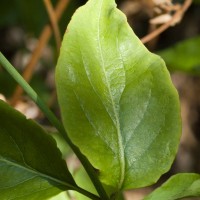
(42, 175)
(120, 143)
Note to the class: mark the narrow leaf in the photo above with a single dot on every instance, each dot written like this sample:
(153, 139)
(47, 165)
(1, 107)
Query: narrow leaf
(117, 101)
(31, 166)
(177, 187)
(183, 56)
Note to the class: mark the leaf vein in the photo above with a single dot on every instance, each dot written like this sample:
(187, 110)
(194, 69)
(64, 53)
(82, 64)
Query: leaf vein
(141, 119)
(24, 181)
(121, 155)
(33, 171)
(95, 89)
(28, 194)
(96, 132)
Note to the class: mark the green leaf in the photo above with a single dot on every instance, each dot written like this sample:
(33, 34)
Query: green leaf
(117, 101)
(177, 187)
(31, 166)
(83, 180)
(61, 196)
(61, 143)
(183, 56)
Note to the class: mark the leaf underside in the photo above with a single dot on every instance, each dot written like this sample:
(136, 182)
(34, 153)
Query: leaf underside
(117, 101)
(31, 166)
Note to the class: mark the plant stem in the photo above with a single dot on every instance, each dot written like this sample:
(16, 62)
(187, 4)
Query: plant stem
(88, 194)
(54, 120)
(36, 54)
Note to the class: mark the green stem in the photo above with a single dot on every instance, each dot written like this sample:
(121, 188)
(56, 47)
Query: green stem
(88, 194)
(54, 120)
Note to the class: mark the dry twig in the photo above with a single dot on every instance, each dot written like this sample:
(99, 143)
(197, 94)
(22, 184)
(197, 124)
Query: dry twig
(43, 39)
(54, 22)
(176, 17)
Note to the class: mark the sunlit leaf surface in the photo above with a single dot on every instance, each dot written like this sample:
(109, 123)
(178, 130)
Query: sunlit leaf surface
(117, 101)
(178, 187)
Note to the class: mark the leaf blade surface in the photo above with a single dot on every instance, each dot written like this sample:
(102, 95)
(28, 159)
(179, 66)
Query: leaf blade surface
(178, 186)
(113, 95)
(30, 163)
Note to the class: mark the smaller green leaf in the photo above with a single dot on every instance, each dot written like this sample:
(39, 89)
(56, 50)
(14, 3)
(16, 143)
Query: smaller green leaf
(178, 186)
(183, 56)
(31, 166)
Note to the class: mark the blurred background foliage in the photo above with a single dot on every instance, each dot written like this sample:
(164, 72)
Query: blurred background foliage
(32, 15)
(183, 56)
(22, 22)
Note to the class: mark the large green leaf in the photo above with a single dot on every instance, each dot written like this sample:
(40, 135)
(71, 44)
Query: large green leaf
(31, 166)
(184, 56)
(117, 101)
(177, 187)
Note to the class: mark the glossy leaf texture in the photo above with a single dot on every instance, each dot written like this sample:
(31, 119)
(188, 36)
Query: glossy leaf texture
(117, 101)
(31, 166)
(183, 56)
(177, 187)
